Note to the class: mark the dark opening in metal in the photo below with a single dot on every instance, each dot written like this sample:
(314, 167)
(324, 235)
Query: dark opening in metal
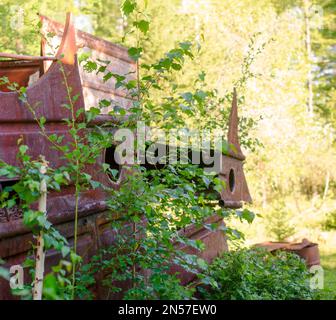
(115, 168)
(5, 213)
(232, 180)
(7, 183)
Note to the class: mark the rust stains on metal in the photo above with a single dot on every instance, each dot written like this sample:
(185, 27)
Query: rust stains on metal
(232, 171)
(306, 249)
(232, 137)
(25, 57)
(68, 48)
(93, 86)
(18, 71)
(48, 93)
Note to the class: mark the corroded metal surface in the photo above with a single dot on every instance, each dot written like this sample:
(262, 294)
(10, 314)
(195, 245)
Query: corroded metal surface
(7, 215)
(94, 88)
(49, 93)
(306, 249)
(18, 71)
(232, 171)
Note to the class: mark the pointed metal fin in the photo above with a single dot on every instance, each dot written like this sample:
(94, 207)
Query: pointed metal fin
(232, 136)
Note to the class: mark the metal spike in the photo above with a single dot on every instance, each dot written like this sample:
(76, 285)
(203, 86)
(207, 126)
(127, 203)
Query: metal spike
(232, 136)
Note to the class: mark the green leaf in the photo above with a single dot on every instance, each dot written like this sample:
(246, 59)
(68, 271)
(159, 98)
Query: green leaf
(128, 7)
(201, 76)
(11, 203)
(185, 45)
(246, 215)
(95, 184)
(65, 251)
(131, 84)
(90, 66)
(75, 258)
(176, 66)
(187, 96)
(50, 287)
(107, 76)
(135, 53)
(59, 178)
(202, 263)
(142, 25)
(106, 166)
(206, 181)
(114, 172)
(53, 137)
(23, 149)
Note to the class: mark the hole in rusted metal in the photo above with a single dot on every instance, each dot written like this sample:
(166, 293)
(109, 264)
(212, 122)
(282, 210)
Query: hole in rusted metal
(115, 168)
(7, 183)
(232, 180)
(5, 213)
(5, 186)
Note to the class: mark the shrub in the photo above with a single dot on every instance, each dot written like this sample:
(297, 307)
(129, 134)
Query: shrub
(278, 222)
(161, 286)
(330, 223)
(255, 274)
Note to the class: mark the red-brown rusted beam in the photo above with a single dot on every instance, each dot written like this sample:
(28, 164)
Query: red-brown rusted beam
(25, 57)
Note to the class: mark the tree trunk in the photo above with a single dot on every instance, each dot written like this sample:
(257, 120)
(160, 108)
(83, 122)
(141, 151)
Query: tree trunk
(40, 253)
(310, 102)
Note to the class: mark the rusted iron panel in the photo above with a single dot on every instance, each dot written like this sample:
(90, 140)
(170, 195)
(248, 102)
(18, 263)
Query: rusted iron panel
(15, 249)
(236, 190)
(60, 208)
(215, 243)
(16, 122)
(26, 57)
(94, 88)
(232, 172)
(306, 249)
(232, 136)
(48, 95)
(18, 71)
(30, 135)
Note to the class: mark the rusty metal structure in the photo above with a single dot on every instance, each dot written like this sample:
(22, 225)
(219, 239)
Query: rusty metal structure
(43, 79)
(307, 250)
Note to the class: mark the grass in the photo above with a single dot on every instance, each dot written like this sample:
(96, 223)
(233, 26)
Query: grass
(328, 262)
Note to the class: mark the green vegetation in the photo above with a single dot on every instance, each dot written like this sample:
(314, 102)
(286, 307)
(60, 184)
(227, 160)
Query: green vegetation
(278, 223)
(281, 57)
(328, 262)
(295, 163)
(154, 203)
(258, 275)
